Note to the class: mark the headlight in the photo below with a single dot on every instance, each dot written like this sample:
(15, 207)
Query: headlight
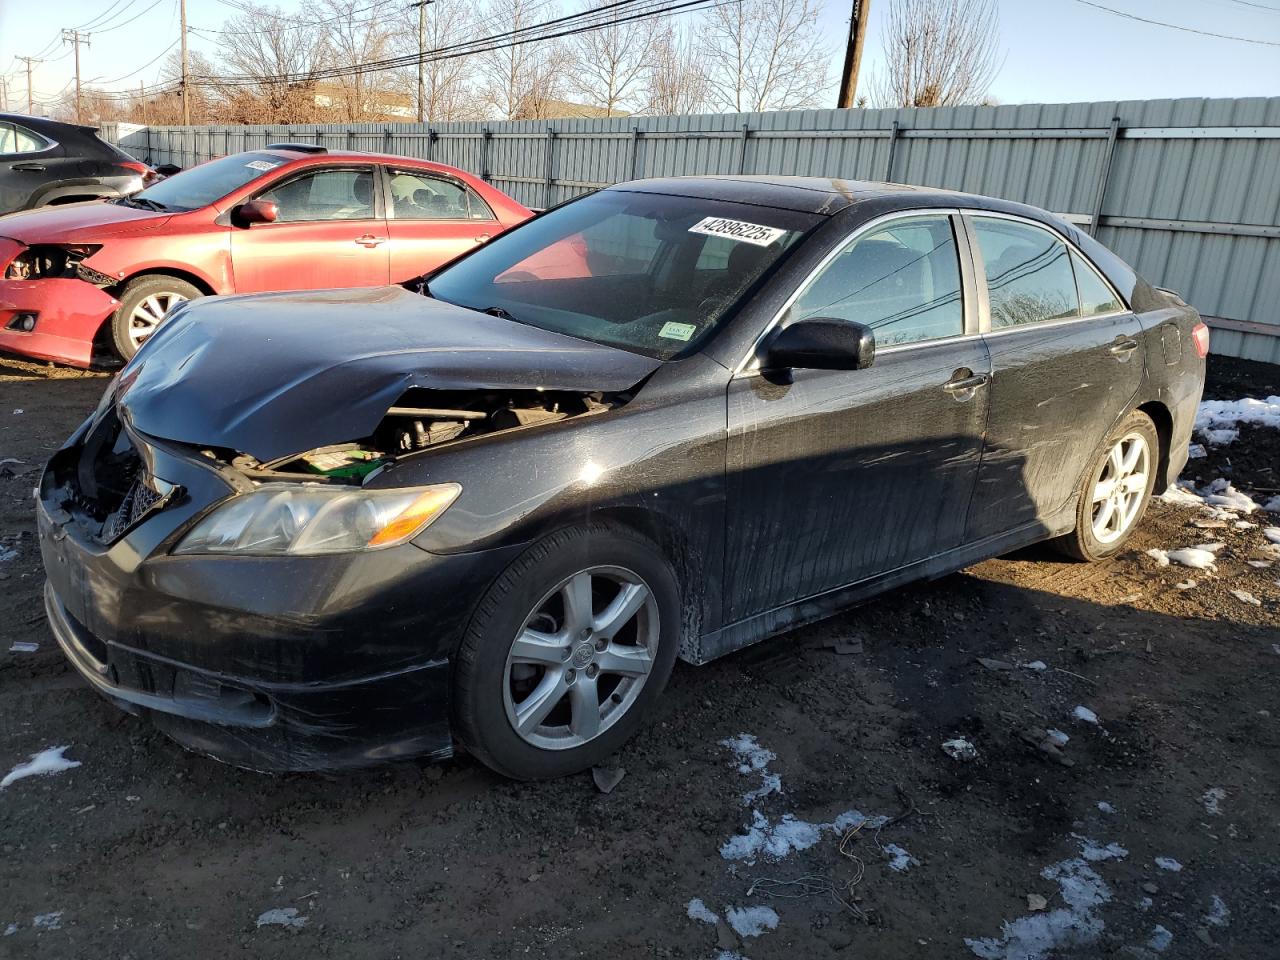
(287, 519)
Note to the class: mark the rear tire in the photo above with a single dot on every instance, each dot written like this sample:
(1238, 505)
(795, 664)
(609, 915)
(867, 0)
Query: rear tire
(143, 304)
(1115, 492)
(596, 611)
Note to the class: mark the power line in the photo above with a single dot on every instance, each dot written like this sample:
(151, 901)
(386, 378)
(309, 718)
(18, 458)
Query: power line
(1174, 26)
(143, 67)
(295, 24)
(1260, 6)
(117, 26)
(106, 14)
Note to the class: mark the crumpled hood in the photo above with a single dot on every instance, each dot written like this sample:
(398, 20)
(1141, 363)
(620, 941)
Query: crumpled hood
(280, 373)
(79, 222)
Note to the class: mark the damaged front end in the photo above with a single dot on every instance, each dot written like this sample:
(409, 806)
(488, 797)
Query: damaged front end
(51, 304)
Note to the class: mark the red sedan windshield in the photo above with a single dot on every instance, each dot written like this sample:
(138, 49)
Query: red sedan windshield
(202, 185)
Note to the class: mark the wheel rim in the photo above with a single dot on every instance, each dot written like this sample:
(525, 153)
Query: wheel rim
(1120, 488)
(148, 313)
(581, 658)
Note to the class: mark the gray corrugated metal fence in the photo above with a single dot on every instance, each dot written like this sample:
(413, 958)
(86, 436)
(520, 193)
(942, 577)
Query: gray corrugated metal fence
(1188, 191)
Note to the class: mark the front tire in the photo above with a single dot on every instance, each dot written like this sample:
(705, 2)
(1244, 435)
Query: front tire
(1114, 494)
(566, 653)
(143, 304)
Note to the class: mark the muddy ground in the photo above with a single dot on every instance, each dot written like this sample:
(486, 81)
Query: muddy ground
(145, 851)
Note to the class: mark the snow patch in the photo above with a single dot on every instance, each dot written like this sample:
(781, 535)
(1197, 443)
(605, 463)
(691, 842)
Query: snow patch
(1218, 915)
(1085, 714)
(775, 840)
(281, 917)
(697, 910)
(1244, 596)
(42, 763)
(753, 758)
(48, 921)
(1181, 495)
(1095, 853)
(899, 860)
(1168, 863)
(1216, 418)
(1106, 808)
(1220, 493)
(1196, 451)
(1212, 798)
(24, 646)
(1057, 737)
(1196, 557)
(1160, 939)
(751, 921)
(1037, 665)
(1271, 533)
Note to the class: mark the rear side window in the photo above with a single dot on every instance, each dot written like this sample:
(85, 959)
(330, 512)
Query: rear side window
(1096, 296)
(902, 281)
(418, 196)
(16, 139)
(1028, 270)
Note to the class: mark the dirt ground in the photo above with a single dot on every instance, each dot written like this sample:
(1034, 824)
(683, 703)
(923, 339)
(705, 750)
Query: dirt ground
(145, 851)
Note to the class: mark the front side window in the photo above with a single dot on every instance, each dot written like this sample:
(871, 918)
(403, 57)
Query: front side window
(324, 195)
(1028, 271)
(16, 139)
(627, 269)
(902, 280)
(418, 196)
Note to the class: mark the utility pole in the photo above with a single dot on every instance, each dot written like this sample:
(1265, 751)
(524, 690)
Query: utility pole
(4, 92)
(422, 52)
(28, 61)
(75, 38)
(186, 90)
(853, 55)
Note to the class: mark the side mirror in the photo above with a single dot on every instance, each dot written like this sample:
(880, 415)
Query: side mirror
(821, 343)
(168, 169)
(257, 211)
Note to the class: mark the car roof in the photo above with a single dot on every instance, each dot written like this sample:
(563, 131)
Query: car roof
(328, 156)
(821, 195)
(44, 124)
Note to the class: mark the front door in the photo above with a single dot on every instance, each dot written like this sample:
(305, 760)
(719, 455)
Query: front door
(330, 233)
(27, 163)
(1066, 364)
(838, 476)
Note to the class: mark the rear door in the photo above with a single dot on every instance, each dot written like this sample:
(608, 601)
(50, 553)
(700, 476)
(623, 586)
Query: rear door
(330, 233)
(837, 476)
(1066, 363)
(28, 162)
(431, 219)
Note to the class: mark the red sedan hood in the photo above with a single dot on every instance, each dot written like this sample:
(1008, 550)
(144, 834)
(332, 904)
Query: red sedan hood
(75, 222)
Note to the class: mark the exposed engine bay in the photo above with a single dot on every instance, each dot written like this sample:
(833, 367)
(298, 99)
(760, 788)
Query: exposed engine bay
(47, 260)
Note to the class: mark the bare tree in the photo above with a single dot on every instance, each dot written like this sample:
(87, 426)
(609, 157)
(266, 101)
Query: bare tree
(675, 82)
(520, 82)
(448, 92)
(265, 44)
(354, 37)
(764, 55)
(608, 65)
(937, 53)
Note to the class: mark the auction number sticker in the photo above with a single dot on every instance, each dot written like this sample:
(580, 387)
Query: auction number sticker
(261, 165)
(677, 331)
(754, 233)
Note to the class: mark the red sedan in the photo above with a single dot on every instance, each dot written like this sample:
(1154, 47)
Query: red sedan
(288, 217)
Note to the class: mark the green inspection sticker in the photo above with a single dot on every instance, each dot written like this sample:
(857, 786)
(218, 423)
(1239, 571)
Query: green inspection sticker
(677, 331)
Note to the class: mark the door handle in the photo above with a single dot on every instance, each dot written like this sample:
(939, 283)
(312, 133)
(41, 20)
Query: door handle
(482, 238)
(32, 167)
(965, 384)
(1121, 349)
(369, 240)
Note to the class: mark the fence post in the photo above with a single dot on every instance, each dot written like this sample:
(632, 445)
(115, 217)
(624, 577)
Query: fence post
(547, 173)
(635, 152)
(484, 153)
(1108, 153)
(893, 147)
(386, 139)
(351, 136)
(742, 148)
(431, 143)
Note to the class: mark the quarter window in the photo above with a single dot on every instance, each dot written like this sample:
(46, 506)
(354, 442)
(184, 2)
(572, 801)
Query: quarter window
(901, 280)
(16, 139)
(325, 195)
(1028, 270)
(416, 196)
(1096, 296)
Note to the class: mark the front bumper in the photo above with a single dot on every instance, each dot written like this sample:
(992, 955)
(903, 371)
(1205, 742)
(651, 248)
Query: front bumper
(68, 313)
(272, 663)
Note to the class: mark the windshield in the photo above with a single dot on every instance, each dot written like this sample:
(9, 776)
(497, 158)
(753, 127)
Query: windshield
(649, 273)
(202, 185)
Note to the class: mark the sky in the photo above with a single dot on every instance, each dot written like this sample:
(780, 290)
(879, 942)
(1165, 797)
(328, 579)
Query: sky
(1054, 51)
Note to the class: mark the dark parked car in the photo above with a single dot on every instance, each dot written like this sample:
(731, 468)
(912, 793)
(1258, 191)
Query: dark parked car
(45, 162)
(670, 419)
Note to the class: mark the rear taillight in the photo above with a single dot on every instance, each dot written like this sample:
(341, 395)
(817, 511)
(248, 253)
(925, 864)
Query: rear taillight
(1200, 336)
(140, 168)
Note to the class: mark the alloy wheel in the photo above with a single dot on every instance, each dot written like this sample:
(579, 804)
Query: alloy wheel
(581, 657)
(1120, 488)
(146, 316)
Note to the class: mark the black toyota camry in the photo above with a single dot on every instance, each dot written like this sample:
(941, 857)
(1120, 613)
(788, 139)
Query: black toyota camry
(669, 419)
